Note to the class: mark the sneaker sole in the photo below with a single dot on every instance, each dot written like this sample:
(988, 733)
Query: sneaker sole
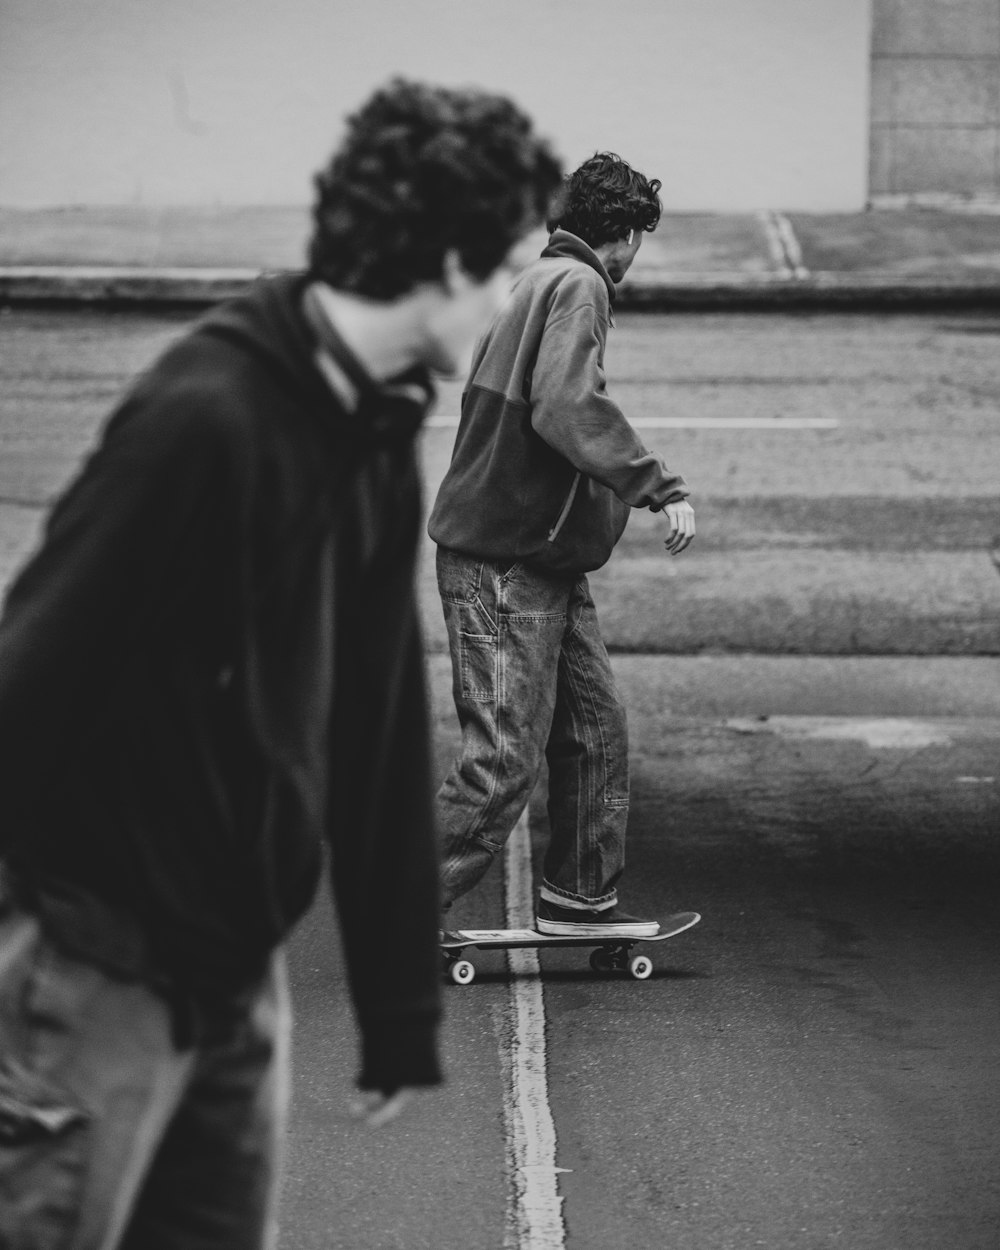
(559, 928)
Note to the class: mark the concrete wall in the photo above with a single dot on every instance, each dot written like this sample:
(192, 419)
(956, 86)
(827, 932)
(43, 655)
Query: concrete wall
(936, 97)
(734, 104)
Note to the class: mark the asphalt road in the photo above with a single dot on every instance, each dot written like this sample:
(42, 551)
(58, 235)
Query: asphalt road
(815, 1064)
(859, 520)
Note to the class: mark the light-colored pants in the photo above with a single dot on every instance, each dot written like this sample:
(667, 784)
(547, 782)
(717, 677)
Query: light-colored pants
(112, 1138)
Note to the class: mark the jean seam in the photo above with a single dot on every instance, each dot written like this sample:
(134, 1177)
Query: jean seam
(470, 587)
(533, 616)
(618, 801)
(492, 625)
(470, 692)
(575, 628)
(493, 847)
(486, 809)
(582, 726)
(476, 583)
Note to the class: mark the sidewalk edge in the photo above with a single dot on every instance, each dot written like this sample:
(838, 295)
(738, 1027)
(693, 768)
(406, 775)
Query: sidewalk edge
(122, 286)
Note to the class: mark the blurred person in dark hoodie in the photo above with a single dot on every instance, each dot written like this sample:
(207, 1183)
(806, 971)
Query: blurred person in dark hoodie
(211, 665)
(545, 472)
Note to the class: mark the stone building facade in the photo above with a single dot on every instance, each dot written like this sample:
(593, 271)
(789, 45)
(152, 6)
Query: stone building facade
(935, 100)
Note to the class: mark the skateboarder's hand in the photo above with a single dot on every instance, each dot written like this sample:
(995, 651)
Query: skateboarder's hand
(373, 1108)
(680, 526)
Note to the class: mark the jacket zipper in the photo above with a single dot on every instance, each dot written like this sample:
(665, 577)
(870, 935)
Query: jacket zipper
(554, 531)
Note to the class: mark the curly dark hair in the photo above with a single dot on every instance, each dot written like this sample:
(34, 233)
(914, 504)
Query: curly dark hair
(606, 198)
(424, 169)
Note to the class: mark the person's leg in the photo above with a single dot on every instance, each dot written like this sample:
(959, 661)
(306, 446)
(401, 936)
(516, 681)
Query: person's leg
(214, 1182)
(89, 1078)
(505, 630)
(587, 755)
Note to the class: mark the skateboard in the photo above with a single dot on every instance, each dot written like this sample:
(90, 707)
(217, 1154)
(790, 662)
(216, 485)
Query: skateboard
(611, 952)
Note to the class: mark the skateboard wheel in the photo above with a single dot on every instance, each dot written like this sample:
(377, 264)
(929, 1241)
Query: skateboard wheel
(462, 972)
(602, 961)
(640, 966)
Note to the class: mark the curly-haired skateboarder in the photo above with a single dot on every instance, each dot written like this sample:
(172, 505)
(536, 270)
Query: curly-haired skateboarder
(544, 473)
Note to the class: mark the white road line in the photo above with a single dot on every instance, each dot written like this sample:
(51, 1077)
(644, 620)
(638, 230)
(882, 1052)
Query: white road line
(789, 241)
(774, 243)
(784, 246)
(887, 733)
(699, 423)
(735, 423)
(535, 1219)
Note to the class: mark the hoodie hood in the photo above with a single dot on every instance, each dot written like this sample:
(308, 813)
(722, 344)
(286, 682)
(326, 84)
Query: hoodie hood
(268, 323)
(564, 244)
(276, 324)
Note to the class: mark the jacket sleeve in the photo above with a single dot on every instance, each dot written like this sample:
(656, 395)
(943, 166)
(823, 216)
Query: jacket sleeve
(380, 820)
(75, 601)
(572, 412)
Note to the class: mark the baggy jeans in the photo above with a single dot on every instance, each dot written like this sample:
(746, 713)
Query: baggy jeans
(532, 683)
(110, 1136)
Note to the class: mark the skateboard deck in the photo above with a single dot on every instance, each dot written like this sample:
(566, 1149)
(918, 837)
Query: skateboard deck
(611, 951)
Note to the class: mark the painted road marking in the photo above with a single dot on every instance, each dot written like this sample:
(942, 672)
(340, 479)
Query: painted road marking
(784, 246)
(535, 1217)
(774, 244)
(736, 423)
(699, 423)
(793, 252)
(880, 733)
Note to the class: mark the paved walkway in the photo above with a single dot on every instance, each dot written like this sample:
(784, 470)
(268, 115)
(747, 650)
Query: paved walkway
(900, 256)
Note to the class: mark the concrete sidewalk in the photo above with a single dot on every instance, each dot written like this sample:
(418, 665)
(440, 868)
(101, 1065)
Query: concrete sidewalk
(909, 257)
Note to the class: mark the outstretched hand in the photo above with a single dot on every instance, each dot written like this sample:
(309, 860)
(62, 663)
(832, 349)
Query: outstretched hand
(680, 526)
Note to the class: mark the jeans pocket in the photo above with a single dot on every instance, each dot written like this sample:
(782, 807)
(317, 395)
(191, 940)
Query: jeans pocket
(459, 577)
(478, 666)
(43, 1138)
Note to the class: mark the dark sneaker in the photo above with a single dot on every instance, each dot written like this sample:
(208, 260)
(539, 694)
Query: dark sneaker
(572, 922)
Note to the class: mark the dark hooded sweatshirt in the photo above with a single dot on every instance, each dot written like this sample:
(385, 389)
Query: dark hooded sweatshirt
(213, 663)
(546, 467)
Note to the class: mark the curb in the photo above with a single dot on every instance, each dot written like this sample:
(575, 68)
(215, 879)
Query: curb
(137, 286)
(119, 286)
(816, 291)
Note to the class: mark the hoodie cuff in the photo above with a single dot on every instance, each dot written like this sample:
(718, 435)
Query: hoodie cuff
(679, 492)
(394, 1055)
